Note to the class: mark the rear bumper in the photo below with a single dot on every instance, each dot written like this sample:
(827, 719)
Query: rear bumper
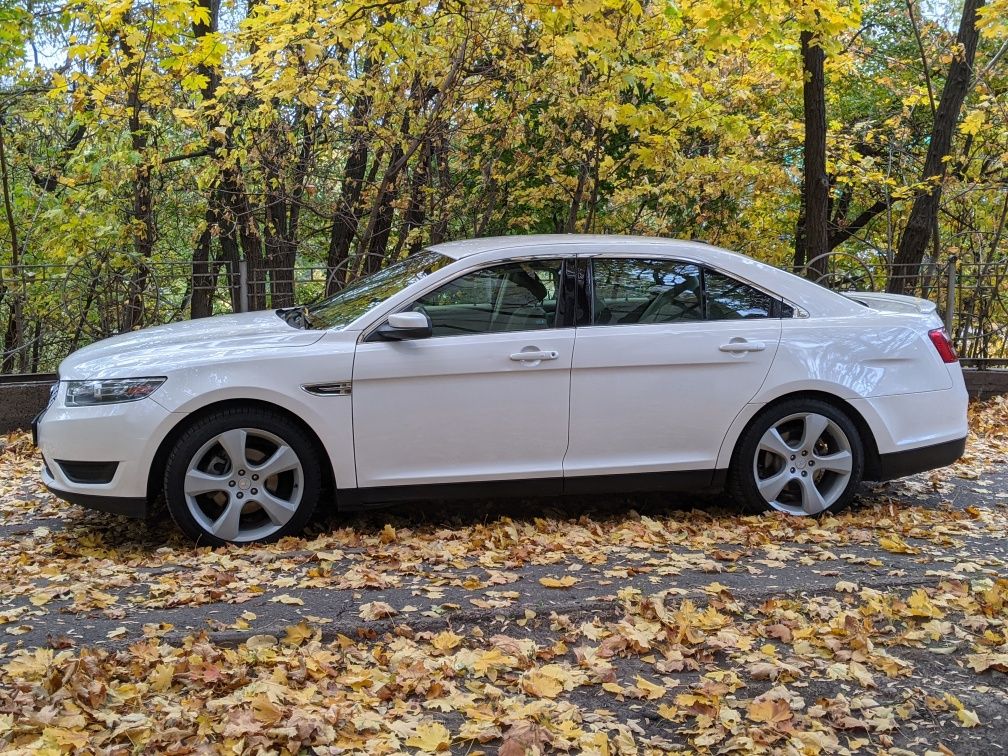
(902, 463)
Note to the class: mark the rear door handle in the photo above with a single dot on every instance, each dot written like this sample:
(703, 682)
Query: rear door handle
(743, 346)
(535, 356)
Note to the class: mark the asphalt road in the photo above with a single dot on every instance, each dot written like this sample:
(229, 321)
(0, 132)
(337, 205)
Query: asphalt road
(74, 578)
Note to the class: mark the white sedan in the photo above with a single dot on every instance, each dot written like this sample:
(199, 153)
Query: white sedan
(519, 365)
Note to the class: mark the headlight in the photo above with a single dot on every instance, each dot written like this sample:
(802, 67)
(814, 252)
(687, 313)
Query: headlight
(110, 391)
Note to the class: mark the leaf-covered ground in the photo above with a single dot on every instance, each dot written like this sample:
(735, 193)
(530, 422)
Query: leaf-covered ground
(613, 625)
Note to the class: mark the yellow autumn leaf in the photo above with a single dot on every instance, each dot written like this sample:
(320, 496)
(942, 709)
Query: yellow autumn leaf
(667, 712)
(295, 635)
(651, 691)
(431, 737)
(896, 545)
(161, 678)
(376, 610)
(445, 641)
(967, 718)
(769, 711)
(265, 710)
(491, 660)
(285, 598)
(565, 582)
(973, 123)
(542, 686)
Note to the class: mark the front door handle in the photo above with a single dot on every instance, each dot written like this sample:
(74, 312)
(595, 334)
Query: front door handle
(535, 356)
(743, 346)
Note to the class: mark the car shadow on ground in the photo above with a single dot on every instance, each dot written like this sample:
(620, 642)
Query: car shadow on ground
(158, 531)
(460, 513)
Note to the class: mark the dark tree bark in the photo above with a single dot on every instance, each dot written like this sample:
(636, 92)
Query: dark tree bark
(375, 237)
(924, 212)
(203, 278)
(13, 333)
(283, 208)
(143, 202)
(204, 274)
(348, 210)
(812, 239)
(416, 210)
(439, 229)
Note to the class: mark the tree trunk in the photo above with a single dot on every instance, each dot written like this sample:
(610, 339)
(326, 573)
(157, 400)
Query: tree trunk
(348, 210)
(143, 207)
(815, 237)
(12, 337)
(416, 211)
(913, 244)
(204, 274)
(203, 281)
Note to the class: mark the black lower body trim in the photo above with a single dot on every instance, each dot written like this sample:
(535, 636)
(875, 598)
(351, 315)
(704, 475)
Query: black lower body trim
(120, 505)
(682, 480)
(900, 464)
(678, 480)
(88, 472)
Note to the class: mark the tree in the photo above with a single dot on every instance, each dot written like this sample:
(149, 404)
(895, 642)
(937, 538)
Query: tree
(924, 212)
(812, 236)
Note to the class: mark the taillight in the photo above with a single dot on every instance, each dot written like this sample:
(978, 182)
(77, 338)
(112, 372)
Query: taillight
(943, 344)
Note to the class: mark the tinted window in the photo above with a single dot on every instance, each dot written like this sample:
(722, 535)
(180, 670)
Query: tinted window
(630, 291)
(728, 299)
(510, 297)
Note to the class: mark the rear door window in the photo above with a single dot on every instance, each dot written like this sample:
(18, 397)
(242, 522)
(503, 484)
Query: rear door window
(627, 291)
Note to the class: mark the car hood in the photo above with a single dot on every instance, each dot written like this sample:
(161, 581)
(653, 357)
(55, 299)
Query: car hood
(163, 349)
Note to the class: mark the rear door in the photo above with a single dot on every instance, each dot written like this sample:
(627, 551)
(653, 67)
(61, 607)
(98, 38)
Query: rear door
(672, 354)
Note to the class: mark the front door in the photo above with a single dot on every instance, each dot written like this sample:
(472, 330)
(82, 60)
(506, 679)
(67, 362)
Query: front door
(485, 398)
(673, 354)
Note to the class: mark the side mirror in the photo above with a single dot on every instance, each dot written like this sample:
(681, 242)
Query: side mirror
(403, 326)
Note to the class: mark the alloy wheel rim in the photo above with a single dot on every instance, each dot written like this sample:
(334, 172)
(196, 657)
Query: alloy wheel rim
(803, 464)
(244, 484)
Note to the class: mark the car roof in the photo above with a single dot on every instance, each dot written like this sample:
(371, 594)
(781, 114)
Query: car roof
(590, 242)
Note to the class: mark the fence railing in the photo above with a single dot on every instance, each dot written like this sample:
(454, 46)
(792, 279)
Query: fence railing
(48, 311)
(972, 296)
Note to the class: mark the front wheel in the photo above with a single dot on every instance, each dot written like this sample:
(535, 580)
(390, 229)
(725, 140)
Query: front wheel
(242, 475)
(801, 457)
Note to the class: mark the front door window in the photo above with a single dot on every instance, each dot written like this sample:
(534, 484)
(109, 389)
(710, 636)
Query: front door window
(516, 296)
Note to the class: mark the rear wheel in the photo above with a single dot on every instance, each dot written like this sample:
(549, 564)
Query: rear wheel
(801, 457)
(242, 475)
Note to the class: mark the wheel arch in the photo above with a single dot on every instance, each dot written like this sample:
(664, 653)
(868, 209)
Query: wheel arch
(155, 476)
(872, 464)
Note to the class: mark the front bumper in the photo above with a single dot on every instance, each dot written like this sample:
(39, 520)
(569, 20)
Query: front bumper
(122, 437)
(128, 506)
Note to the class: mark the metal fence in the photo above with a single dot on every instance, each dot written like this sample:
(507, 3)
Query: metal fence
(48, 311)
(972, 297)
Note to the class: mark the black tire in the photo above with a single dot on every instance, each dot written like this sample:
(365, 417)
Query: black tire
(742, 483)
(207, 428)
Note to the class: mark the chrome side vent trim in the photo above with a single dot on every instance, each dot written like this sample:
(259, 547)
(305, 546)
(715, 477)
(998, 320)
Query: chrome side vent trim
(340, 388)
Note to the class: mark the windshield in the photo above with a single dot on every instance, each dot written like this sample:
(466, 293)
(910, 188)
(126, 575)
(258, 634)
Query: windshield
(364, 295)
